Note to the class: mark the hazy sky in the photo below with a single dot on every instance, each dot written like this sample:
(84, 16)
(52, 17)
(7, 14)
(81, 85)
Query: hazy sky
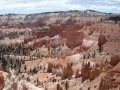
(38, 6)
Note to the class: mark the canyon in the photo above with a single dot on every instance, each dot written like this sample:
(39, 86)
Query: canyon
(64, 50)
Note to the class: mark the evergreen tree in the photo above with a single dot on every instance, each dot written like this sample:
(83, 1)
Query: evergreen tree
(25, 68)
(66, 85)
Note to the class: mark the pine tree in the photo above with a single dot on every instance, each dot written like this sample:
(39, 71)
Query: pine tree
(25, 68)
(19, 71)
(66, 85)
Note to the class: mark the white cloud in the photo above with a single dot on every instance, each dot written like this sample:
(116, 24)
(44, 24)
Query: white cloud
(25, 4)
(51, 5)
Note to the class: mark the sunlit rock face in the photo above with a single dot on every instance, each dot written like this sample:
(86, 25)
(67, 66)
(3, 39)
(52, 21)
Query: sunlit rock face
(13, 82)
(73, 39)
(3, 76)
(1, 81)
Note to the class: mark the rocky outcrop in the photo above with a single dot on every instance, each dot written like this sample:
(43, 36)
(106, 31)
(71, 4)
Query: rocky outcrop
(1, 81)
(114, 60)
(42, 19)
(89, 73)
(108, 83)
(73, 38)
(101, 40)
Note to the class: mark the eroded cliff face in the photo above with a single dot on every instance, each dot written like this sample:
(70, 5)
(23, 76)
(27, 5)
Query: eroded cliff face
(11, 81)
(37, 20)
(1, 81)
(74, 50)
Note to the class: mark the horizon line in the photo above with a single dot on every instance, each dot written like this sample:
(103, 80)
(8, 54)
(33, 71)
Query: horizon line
(59, 11)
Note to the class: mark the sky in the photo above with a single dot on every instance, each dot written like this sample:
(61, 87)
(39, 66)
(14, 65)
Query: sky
(39, 6)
